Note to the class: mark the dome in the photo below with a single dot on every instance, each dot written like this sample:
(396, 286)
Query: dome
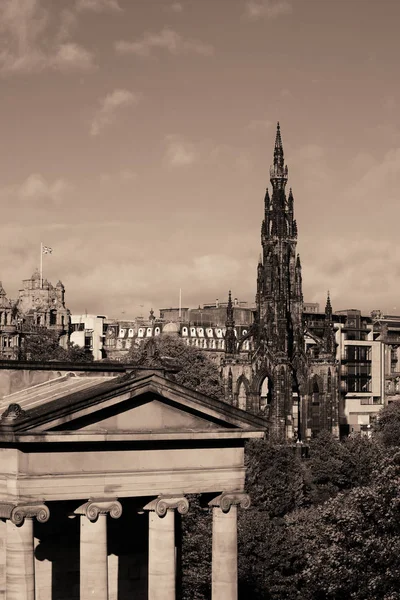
(171, 328)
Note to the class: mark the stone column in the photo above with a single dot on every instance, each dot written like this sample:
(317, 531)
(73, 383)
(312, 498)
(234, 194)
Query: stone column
(162, 574)
(93, 547)
(224, 544)
(20, 563)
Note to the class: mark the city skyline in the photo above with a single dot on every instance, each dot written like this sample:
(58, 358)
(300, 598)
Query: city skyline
(137, 140)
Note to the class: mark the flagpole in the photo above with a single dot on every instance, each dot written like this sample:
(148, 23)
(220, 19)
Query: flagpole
(41, 264)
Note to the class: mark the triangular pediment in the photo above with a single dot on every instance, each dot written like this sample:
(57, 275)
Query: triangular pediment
(147, 413)
(150, 404)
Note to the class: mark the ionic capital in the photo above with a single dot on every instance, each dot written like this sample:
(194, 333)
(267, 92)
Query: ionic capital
(93, 508)
(162, 504)
(227, 499)
(17, 513)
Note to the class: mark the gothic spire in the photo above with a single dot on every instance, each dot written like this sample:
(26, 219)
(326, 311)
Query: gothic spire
(278, 171)
(328, 308)
(329, 334)
(230, 338)
(229, 312)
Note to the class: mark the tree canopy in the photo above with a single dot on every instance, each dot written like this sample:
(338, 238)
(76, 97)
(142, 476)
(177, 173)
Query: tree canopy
(44, 346)
(194, 369)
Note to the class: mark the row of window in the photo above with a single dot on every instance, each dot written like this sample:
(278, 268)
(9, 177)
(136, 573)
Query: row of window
(186, 331)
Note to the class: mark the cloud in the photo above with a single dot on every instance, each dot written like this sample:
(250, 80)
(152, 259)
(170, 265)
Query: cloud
(166, 39)
(98, 5)
(29, 47)
(176, 7)
(179, 152)
(72, 57)
(270, 9)
(36, 188)
(259, 125)
(106, 114)
(36, 191)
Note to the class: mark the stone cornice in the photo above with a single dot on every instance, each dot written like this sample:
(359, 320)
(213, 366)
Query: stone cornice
(227, 499)
(162, 504)
(17, 513)
(93, 508)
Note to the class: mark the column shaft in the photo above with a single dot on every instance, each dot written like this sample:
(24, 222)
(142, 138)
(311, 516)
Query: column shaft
(93, 559)
(162, 556)
(20, 569)
(224, 554)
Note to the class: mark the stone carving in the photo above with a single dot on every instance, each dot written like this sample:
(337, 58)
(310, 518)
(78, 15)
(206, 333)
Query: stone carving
(161, 505)
(227, 499)
(18, 513)
(93, 508)
(12, 413)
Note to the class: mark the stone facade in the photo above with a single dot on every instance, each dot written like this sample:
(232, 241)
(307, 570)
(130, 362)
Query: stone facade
(39, 305)
(294, 384)
(94, 478)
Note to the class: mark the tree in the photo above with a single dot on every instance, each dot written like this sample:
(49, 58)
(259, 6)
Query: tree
(387, 426)
(196, 551)
(352, 542)
(194, 368)
(44, 346)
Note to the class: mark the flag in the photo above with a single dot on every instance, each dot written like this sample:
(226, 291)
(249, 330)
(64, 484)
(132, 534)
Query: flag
(47, 250)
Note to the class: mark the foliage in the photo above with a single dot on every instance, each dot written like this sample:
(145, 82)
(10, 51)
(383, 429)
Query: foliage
(335, 466)
(352, 542)
(274, 477)
(387, 427)
(195, 369)
(196, 551)
(44, 346)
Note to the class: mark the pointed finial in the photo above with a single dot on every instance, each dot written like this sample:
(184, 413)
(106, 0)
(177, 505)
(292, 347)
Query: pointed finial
(328, 306)
(278, 171)
(278, 139)
(229, 312)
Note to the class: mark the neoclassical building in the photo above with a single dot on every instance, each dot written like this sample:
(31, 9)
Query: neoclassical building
(94, 476)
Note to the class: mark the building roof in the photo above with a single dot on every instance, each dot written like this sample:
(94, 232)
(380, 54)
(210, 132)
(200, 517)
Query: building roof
(51, 390)
(142, 405)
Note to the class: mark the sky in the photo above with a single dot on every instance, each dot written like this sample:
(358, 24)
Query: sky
(136, 138)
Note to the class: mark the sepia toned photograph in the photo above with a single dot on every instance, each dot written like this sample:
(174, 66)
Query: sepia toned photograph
(199, 300)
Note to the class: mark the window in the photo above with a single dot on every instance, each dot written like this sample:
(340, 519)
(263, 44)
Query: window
(140, 332)
(121, 333)
(130, 333)
(242, 397)
(358, 353)
(157, 331)
(184, 331)
(315, 408)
